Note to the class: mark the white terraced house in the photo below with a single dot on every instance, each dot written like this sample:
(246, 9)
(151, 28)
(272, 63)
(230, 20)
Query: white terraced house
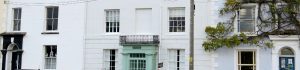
(131, 35)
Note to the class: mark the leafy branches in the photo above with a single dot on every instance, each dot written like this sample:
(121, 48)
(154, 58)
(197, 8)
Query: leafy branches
(274, 17)
(219, 37)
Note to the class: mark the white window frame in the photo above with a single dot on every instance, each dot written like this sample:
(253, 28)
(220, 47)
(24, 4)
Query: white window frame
(17, 19)
(178, 14)
(236, 51)
(110, 18)
(237, 20)
(106, 59)
(181, 59)
(46, 18)
(45, 62)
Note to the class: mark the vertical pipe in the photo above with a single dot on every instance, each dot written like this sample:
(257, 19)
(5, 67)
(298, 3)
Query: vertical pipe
(191, 59)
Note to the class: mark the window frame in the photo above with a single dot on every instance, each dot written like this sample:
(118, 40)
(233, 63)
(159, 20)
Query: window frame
(107, 53)
(44, 57)
(180, 61)
(255, 59)
(115, 16)
(184, 27)
(46, 19)
(255, 20)
(18, 19)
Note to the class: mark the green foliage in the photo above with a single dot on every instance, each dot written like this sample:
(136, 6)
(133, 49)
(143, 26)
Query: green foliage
(230, 6)
(217, 38)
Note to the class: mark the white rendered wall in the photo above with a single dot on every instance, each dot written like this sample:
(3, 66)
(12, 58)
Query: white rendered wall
(97, 39)
(69, 41)
(280, 42)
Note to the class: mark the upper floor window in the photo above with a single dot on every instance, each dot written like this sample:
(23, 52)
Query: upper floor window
(112, 20)
(52, 18)
(176, 19)
(176, 57)
(50, 56)
(17, 19)
(247, 18)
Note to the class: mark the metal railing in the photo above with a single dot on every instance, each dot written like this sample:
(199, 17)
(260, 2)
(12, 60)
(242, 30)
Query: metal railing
(139, 39)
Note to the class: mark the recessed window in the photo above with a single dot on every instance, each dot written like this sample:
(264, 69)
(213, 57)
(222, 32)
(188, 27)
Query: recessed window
(246, 60)
(50, 56)
(52, 18)
(246, 18)
(176, 19)
(17, 19)
(176, 58)
(110, 59)
(112, 20)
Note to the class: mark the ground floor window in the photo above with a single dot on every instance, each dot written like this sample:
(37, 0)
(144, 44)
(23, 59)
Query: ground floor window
(176, 57)
(246, 60)
(286, 59)
(110, 56)
(50, 56)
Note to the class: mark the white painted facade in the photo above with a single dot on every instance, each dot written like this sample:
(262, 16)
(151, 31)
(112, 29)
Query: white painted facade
(2, 24)
(285, 41)
(97, 40)
(82, 36)
(69, 40)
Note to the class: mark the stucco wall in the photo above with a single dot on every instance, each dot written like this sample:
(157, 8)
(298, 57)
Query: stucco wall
(226, 58)
(69, 41)
(97, 39)
(2, 17)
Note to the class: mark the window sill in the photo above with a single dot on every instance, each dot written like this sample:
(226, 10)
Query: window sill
(50, 33)
(248, 33)
(112, 33)
(176, 33)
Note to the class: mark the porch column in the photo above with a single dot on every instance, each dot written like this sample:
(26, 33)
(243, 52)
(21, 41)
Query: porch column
(4, 51)
(19, 53)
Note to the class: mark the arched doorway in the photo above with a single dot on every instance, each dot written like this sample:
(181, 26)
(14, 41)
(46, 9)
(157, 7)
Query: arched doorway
(13, 57)
(286, 59)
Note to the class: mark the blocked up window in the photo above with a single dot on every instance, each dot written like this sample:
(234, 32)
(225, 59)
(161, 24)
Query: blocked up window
(246, 60)
(176, 58)
(52, 18)
(17, 19)
(112, 20)
(176, 19)
(110, 62)
(246, 19)
(50, 56)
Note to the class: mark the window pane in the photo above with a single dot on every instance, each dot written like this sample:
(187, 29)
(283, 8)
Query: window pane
(49, 24)
(49, 12)
(19, 13)
(247, 26)
(16, 13)
(55, 21)
(17, 24)
(247, 13)
(55, 12)
(246, 57)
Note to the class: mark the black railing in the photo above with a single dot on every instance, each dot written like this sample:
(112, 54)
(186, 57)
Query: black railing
(139, 39)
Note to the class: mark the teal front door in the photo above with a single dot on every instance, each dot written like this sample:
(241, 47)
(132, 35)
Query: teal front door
(139, 57)
(286, 63)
